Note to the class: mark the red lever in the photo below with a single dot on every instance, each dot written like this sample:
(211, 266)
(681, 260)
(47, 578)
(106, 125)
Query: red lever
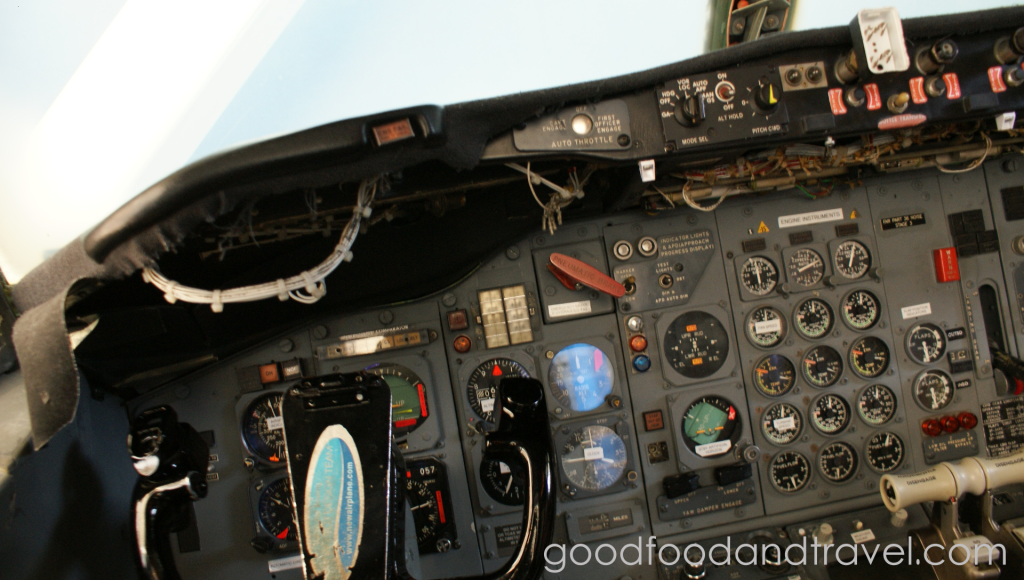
(573, 274)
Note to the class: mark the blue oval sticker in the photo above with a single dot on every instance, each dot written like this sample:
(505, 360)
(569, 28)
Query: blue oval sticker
(333, 516)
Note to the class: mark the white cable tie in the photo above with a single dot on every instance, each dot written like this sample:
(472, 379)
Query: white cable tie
(169, 295)
(310, 284)
(347, 256)
(217, 305)
(282, 290)
(321, 290)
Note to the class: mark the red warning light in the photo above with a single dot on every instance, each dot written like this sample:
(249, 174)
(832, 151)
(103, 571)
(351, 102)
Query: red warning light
(967, 420)
(931, 427)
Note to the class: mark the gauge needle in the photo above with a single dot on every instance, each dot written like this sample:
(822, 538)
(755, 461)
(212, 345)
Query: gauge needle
(422, 505)
(278, 502)
(851, 260)
(577, 362)
(814, 263)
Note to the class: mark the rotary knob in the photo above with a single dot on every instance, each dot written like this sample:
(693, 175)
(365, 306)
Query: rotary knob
(766, 97)
(690, 111)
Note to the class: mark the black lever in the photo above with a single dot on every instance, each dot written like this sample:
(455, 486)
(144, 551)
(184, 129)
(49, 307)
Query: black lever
(171, 459)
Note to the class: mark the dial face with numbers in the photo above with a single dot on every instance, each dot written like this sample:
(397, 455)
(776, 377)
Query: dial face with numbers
(805, 267)
(766, 327)
(876, 404)
(885, 452)
(426, 489)
(838, 462)
(696, 344)
(759, 275)
(830, 414)
(869, 357)
(408, 396)
(503, 482)
(934, 389)
(263, 429)
(483, 384)
(852, 259)
(822, 366)
(594, 457)
(774, 375)
(275, 510)
(711, 426)
(926, 343)
(814, 318)
(861, 309)
(790, 471)
(581, 376)
(781, 423)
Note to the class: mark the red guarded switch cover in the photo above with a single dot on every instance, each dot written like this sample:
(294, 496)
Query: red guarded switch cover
(946, 267)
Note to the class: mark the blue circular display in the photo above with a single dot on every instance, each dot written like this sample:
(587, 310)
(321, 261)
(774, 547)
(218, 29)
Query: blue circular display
(581, 376)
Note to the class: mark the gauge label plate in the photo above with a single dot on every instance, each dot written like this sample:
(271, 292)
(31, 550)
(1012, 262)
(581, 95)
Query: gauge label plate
(862, 536)
(768, 326)
(1004, 426)
(706, 500)
(916, 310)
(282, 564)
(949, 447)
(568, 309)
(784, 424)
(814, 217)
(712, 449)
(903, 221)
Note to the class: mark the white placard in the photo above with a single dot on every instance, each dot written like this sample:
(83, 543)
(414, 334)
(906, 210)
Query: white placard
(716, 448)
(916, 310)
(768, 326)
(862, 536)
(569, 309)
(290, 563)
(814, 217)
(275, 423)
(593, 453)
(784, 424)
(487, 405)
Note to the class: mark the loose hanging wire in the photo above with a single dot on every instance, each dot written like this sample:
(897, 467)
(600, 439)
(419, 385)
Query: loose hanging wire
(307, 287)
(560, 198)
(974, 164)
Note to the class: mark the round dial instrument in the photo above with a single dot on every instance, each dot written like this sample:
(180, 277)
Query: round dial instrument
(759, 275)
(814, 318)
(774, 375)
(696, 344)
(594, 457)
(790, 471)
(805, 267)
(838, 461)
(581, 376)
(408, 396)
(426, 490)
(934, 389)
(503, 482)
(926, 343)
(876, 405)
(711, 426)
(830, 414)
(766, 327)
(861, 309)
(263, 429)
(822, 366)
(852, 259)
(885, 452)
(483, 384)
(869, 357)
(275, 510)
(781, 423)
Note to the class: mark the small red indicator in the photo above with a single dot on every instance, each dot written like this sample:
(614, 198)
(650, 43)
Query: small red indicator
(284, 533)
(995, 79)
(496, 372)
(598, 359)
(440, 505)
(1019, 389)
(638, 343)
(732, 413)
(947, 269)
(967, 420)
(874, 97)
(917, 91)
(952, 86)
(950, 424)
(462, 344)
(901, 121)
(408, 475)
(405, 423)
(835, 100)
(394, 131)
(931, 427)
(423, 400)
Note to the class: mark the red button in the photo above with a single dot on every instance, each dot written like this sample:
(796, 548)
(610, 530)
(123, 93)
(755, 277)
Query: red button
(638, 343)
(950, 424)
(946, 267)
(931, 427)
(967, 420)
(462, 344)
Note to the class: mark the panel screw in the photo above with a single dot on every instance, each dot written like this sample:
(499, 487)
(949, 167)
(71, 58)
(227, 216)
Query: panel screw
(320, 332)
(386, 317)
(623, 140)
(286, 345)
(449, 300)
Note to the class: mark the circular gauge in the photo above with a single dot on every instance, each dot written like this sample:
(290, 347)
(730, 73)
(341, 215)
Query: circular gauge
(711, 426)
(869, 357)
(483, 384)
(837, 461)
(430, 501)
(860, 309)
(805, 267)
(830, 414)
(774, 375)
(581, 376)
(781, 423)
(814, 318)
(933, 389)
(503, 482)
(696, 344)
(852, 259)
(876, 405)
(594, 457)
(408, 396)
(759, 275)
(885, 452)
(263, 429)
(275, 510)
(766, 327)
(822, 366)
(790, 471)
(926, 343)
